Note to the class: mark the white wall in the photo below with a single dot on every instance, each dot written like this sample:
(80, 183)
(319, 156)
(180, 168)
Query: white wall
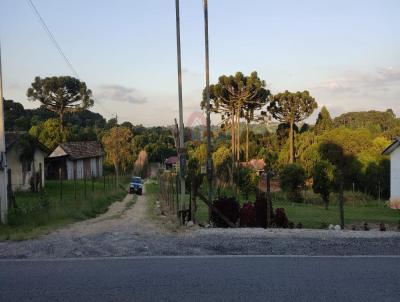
(18, 181)
(395, 175)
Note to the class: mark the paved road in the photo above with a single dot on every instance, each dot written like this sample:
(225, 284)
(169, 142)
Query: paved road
(225, 278)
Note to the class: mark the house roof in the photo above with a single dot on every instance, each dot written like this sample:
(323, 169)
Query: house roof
(393, 146)
(256, 164)
(172, 160)
(78, 150)
(12, 137)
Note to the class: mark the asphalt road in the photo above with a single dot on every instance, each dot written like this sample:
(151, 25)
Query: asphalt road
(220, 278)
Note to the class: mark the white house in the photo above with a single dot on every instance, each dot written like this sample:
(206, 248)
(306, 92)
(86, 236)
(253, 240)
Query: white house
(76, 159)
(393, 151)
(20, 171)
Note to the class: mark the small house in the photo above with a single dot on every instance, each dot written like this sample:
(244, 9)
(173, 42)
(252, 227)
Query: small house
(393, 151)
(76, 160)
(23, 173)
(171, 162)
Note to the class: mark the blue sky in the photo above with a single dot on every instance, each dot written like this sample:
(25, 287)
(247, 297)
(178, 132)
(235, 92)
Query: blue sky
(346, 53)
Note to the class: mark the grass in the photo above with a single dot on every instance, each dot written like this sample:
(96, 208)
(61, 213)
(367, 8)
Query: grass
(35, 214)
(359, 208)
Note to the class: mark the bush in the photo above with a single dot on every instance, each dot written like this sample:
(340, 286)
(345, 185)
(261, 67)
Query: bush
(323, 180)
(248, 215)
(280, 218)
(227, 206)
(292, 179)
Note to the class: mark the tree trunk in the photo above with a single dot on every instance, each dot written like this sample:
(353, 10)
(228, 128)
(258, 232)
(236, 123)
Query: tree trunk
(238, 137)
(61, 122)
(247, 141)
(291, 143)
(232, 142)
(116, 174)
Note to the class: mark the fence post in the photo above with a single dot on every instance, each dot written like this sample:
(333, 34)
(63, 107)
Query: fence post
(84, 185)
(60, 179)
(40, 177)
(75, 186)
(92, 183)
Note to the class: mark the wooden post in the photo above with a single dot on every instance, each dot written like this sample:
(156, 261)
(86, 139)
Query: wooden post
(84, 185)
(75, 185)
(60, 179)
(40, 177)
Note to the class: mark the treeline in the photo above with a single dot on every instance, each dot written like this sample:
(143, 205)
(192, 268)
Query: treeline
(86, 125)
(337, 154)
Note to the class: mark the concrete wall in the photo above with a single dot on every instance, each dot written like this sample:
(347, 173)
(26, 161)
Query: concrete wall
(20, 180)
(395, 175)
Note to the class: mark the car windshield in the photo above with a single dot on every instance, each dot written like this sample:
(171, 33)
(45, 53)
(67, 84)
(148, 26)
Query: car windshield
(136, 180)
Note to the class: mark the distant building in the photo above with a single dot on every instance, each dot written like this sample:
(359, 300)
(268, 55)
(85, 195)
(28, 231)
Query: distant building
(393, 151)
(257, 165)
(171, 162)
(21, 172)
(76, 159)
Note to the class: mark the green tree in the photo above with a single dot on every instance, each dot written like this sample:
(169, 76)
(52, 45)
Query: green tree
(234, 97)
(118, 146)
(324, 121)
(61, 95)
(292, 179)
(48, 133)
(222, 167)
(288, 107)
(323, 180)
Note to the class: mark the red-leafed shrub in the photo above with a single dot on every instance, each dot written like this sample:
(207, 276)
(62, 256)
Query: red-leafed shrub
(248, 215)
(229, 207)
(280, 218)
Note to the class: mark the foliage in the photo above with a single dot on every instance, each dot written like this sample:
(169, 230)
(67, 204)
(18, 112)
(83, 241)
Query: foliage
(229, 207)
(222, 161)
(292, 179)
(61, 95)
(245, 180)
(48, 133)
(234, 97)
(323, 180)
(118, 146)
(247, 215)
(324, 121)
(280, 218)
(141, 164)
(288, 107)
(377, 121)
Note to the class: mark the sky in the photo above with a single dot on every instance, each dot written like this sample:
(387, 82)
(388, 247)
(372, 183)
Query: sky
(346, 53)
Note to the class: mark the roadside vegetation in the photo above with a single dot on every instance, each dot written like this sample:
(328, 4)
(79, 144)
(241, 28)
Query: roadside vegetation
(37, 213)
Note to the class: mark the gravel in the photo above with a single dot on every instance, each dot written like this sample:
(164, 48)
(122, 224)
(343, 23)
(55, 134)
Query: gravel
(124, 231)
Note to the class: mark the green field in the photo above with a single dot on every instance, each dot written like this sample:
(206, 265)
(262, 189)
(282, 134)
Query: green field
(35, 214)
(359, 208)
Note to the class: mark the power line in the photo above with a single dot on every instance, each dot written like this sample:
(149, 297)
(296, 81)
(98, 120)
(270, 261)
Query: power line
(52, 38)
(59, 49)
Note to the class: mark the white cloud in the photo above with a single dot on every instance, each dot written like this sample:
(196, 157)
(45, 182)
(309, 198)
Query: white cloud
(357, 83)
(119, 93)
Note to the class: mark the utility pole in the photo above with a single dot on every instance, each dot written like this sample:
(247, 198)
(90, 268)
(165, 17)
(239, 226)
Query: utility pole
(3, 161)
(181, 149)
(209, 159)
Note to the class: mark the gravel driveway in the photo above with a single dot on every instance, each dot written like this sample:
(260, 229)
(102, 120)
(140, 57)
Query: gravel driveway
(124, 231)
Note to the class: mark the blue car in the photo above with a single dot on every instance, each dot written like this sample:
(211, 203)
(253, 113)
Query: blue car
(136, 186)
